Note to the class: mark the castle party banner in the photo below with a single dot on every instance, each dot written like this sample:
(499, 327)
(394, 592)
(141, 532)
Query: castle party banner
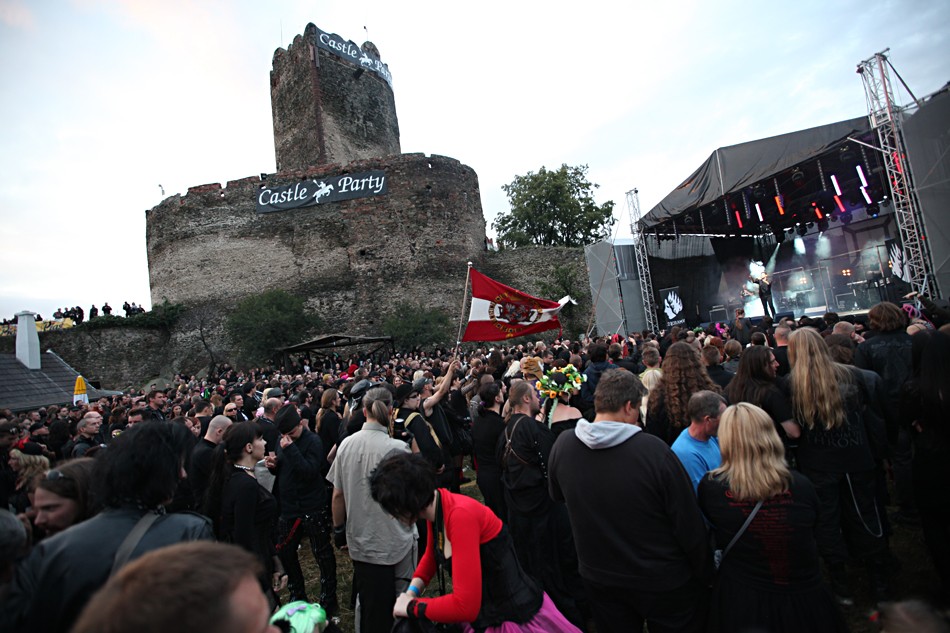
(350, 51)
(322, 190)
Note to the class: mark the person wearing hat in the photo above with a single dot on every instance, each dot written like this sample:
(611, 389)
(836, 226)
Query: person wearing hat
(303, 507)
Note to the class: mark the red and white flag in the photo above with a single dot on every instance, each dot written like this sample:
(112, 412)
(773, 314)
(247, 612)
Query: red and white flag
(500, 312)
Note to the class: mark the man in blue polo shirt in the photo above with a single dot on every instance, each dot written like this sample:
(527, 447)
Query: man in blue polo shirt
(697, 447)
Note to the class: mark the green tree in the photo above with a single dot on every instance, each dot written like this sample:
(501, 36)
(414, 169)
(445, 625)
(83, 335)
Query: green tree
(262, 324)
(413, 325)
(553, 208)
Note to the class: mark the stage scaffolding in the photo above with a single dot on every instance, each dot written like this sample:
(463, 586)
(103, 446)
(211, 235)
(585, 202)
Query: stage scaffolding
(886, 118)
(643, 262)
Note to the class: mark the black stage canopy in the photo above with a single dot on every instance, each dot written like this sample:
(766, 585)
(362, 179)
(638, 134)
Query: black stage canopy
(799, 164)
(331, 341)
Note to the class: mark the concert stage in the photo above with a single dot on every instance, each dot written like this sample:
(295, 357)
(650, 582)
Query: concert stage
(815, 209)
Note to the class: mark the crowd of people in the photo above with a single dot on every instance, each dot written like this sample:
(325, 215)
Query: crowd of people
(727, 479)
(77, 315)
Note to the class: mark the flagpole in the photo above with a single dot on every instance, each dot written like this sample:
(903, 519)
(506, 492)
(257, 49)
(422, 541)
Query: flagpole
(458, 338)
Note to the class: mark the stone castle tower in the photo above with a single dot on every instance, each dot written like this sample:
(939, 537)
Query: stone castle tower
(347, 222)
(332, 102)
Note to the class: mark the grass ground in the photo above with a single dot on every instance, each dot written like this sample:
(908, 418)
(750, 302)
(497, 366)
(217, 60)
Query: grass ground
(914, 579)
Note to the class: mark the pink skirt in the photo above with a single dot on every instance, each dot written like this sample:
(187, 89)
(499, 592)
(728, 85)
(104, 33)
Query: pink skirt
(547, 620)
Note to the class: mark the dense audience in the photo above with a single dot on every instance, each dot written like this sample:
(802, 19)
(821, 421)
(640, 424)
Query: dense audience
(612, 470)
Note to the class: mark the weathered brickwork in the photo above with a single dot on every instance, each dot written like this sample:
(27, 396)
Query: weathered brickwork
(327, 109)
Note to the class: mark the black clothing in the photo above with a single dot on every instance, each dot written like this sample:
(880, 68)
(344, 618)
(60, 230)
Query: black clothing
(670, 547)
(781, 355)
(199, 471)
(152, 414)
(329, 430)
(422, 433)
(55, 582)
(771, 579)
(720, 375)
(303, 510)
(743, 334)
(846, 448)
(593, 373)
(540, 527)
(248, 518)
(523, 462)
(658, 423)
(300, 476)
(271, 434)
(889, 355)
(765, 296)
(508, 593)
(486, 429)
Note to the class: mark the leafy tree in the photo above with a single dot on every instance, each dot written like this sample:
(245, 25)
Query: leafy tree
(262, 324)
(413, 325)
(553, 208)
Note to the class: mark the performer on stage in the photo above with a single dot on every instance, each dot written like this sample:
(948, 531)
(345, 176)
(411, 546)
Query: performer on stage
(765, 294)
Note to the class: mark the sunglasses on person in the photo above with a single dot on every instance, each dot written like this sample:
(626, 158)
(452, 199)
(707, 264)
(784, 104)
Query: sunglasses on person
(230, 410)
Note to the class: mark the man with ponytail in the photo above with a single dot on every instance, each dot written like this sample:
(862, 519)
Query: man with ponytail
(383, 550)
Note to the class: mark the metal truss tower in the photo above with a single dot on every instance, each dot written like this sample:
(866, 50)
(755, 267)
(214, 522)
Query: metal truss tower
(886, 116)
(643, 263)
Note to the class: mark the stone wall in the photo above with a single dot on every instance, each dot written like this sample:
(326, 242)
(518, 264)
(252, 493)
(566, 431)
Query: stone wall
(549, 273)
(345, 258)
(327, 109)
(121, 356)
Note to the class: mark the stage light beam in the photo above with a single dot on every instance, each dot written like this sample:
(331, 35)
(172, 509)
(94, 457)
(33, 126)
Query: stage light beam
(758, 211)
(839, 203)
(834, 181)
(864, 191)
(864, 181)
(780, 205)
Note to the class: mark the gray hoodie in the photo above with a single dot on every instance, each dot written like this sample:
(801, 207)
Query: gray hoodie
(604, 434)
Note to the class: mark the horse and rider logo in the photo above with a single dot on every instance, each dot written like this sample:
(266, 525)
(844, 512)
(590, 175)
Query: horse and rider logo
(323, 190)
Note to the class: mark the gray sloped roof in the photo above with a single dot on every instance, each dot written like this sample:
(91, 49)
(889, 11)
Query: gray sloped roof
(22, 389)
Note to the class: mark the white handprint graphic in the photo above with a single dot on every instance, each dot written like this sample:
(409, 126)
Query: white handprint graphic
(672, 305)
(898, 265)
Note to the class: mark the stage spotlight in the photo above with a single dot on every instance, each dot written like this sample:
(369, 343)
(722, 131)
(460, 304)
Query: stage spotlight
(759, 192)
(847, 155)
(846, 217)
(798, 177)
(802, 230)
(873, 210)
(823, 225)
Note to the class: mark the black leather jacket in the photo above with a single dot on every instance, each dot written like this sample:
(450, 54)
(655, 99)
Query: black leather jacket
(300, 478)
(58, 578)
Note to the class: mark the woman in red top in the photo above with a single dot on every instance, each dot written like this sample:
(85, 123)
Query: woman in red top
(490, 590)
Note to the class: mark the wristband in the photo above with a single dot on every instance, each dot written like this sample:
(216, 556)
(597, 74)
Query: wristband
(414, 590)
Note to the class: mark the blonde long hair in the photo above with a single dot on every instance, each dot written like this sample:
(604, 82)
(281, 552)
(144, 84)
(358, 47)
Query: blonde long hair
(753, 457)
(816, 381)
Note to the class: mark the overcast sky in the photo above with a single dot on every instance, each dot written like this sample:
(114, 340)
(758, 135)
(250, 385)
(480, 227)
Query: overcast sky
(105, 100)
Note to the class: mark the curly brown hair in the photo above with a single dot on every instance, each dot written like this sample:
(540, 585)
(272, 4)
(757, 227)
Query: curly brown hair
(683, 375)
